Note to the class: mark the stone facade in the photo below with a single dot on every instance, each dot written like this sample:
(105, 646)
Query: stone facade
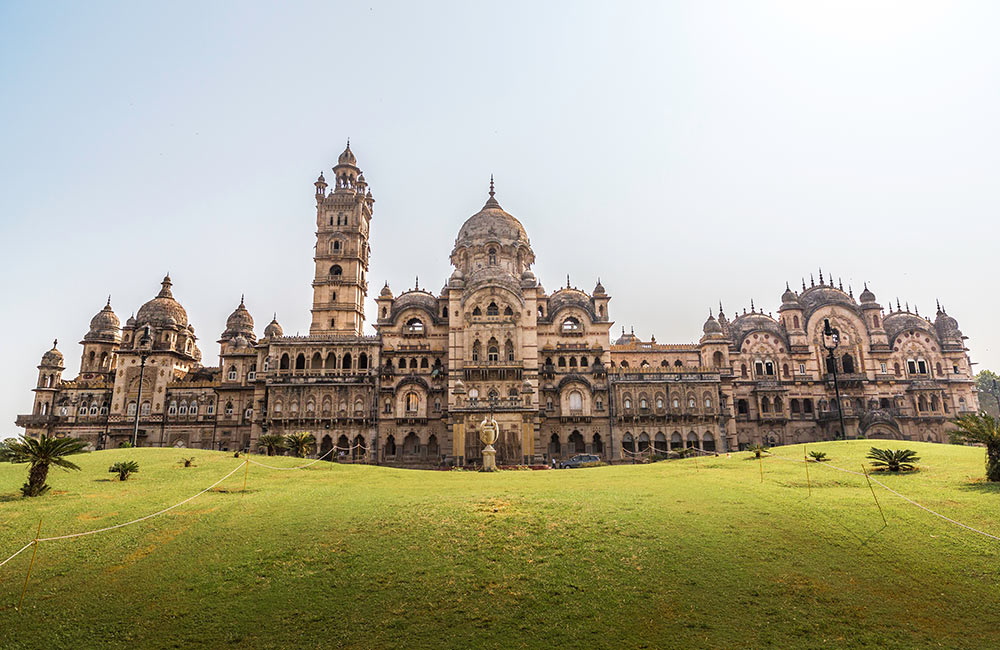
(493, 340)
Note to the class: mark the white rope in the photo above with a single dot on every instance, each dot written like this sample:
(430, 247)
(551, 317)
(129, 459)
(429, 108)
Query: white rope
(23, 549)
(297, 467)
(936, 514)
(135, 521)
(901, 496)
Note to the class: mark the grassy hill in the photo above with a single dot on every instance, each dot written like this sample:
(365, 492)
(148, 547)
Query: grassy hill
(675, 554)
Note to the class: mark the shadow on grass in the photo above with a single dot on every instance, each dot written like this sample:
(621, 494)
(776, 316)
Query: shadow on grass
(233, 490)
(13, 496)
(983, 486)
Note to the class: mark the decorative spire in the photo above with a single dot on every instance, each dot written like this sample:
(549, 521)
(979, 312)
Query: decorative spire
(803, 284)
(109, 301)
(787, 288)
(812, 283)
(821, 276)
(938, 302)
(416, 283)
(898, 308)
(840, 283)
(242, 295)
(55, 343)
(492, 190)
(752, 308)
(567, 280)
(916, 310)
(720, 308)
(907, 307)
(850, 291)
(165, 287)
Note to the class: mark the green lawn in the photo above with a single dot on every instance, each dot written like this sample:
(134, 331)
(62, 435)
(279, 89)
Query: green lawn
(675, 554)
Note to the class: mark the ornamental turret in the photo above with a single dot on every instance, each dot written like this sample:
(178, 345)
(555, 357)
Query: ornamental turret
(343, 221)
(100, 343)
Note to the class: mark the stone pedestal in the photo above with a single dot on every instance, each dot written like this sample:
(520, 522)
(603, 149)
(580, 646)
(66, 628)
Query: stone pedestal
(489, 459)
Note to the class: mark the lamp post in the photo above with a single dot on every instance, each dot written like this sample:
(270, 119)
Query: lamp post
(144, 342)
(832, 334)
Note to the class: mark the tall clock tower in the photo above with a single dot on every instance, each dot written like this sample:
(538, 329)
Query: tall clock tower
(343, 221)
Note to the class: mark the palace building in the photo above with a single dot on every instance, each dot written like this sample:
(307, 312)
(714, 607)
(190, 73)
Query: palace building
(494, 340)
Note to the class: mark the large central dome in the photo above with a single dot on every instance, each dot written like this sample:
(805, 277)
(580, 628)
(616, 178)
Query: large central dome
(492, 223)
(492, 240)
(162, 310)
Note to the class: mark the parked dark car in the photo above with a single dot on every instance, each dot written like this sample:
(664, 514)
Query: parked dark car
(580, 460)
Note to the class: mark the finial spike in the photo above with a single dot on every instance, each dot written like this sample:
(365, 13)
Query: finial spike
(55, 342)
(821, 276)
(242, 296)
(492, 190)
(787, 288)
(752, 308)
(109, 300)
(812, 282)
(720, 306)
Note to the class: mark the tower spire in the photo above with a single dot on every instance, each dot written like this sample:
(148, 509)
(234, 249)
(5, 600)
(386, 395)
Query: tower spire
(492, 190)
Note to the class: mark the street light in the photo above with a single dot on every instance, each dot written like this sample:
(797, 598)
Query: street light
(144, 342)
(832, 334)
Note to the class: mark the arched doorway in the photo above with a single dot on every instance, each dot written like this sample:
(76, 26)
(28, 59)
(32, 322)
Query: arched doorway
(554, 448)
(676, 442)
(628, 443)
(360, 448)
(390, 447)
(326, 448)
(411, 444)
(643, 442)
(660, 443)
(708, 442)
(598, 444)
(343, 447)
(576, 444)
(432, 446)
(692, 440)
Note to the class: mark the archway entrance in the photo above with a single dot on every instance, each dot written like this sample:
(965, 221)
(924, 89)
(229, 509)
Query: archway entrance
(326, 448)
(576, 443)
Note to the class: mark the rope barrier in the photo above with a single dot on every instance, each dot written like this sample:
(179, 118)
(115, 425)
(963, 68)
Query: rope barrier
(298, 467)
(135, 521)
(122, 525)
(901, 496)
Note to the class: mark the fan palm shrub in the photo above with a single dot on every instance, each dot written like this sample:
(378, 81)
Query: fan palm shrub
(981, 429)
(893, 460)
(818, 456)
(271, 443)
(124, 468)
(300, 444)
(40, 454)
(757, 450)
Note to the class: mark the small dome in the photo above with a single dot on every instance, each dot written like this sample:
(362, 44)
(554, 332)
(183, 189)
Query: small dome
(104, 326)
(239, 323)
(867, 296)
(459, 387)
(347, 158)
(946, 326)
(321, 180)
(625, 339)
(386, 291)
(527, 388)
(273, 329)
(789, 297)
(163, 310)
(599, 289)
(53, 357)
(712, 326)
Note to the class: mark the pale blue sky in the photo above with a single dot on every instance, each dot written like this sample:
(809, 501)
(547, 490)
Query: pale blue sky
(685, 152)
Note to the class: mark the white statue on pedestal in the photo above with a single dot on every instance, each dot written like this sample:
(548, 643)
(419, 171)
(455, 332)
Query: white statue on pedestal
(489, 431)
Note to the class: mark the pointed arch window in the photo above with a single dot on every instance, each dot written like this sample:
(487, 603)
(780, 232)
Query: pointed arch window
(509, 350)
(493, 351)
(477, 350)
(492, 309)
(492, 256)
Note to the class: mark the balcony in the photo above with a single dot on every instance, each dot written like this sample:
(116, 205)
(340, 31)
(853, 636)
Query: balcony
(502, 404)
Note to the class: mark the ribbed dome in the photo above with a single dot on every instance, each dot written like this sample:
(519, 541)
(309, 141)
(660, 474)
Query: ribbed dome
(386, 291)
(53, 357)
(946, 326)
(273, 328)
(867, 296)
(163, 310)
(492, 222)
(105, 326)
(239, 323)
(347, 158)
(712, 326)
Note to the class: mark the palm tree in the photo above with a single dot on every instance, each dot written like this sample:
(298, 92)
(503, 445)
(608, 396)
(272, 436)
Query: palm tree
(818, 456)
(757, 450)
(124, 468)
(300, 444)
(894, 460)
(40, 453)
(981, 429)
(271, 442)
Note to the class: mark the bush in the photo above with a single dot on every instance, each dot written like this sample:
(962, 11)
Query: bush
(757, 450)
(818, 456)
(125, 444)
(188, 462)
(893, 460)
(124, 468)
